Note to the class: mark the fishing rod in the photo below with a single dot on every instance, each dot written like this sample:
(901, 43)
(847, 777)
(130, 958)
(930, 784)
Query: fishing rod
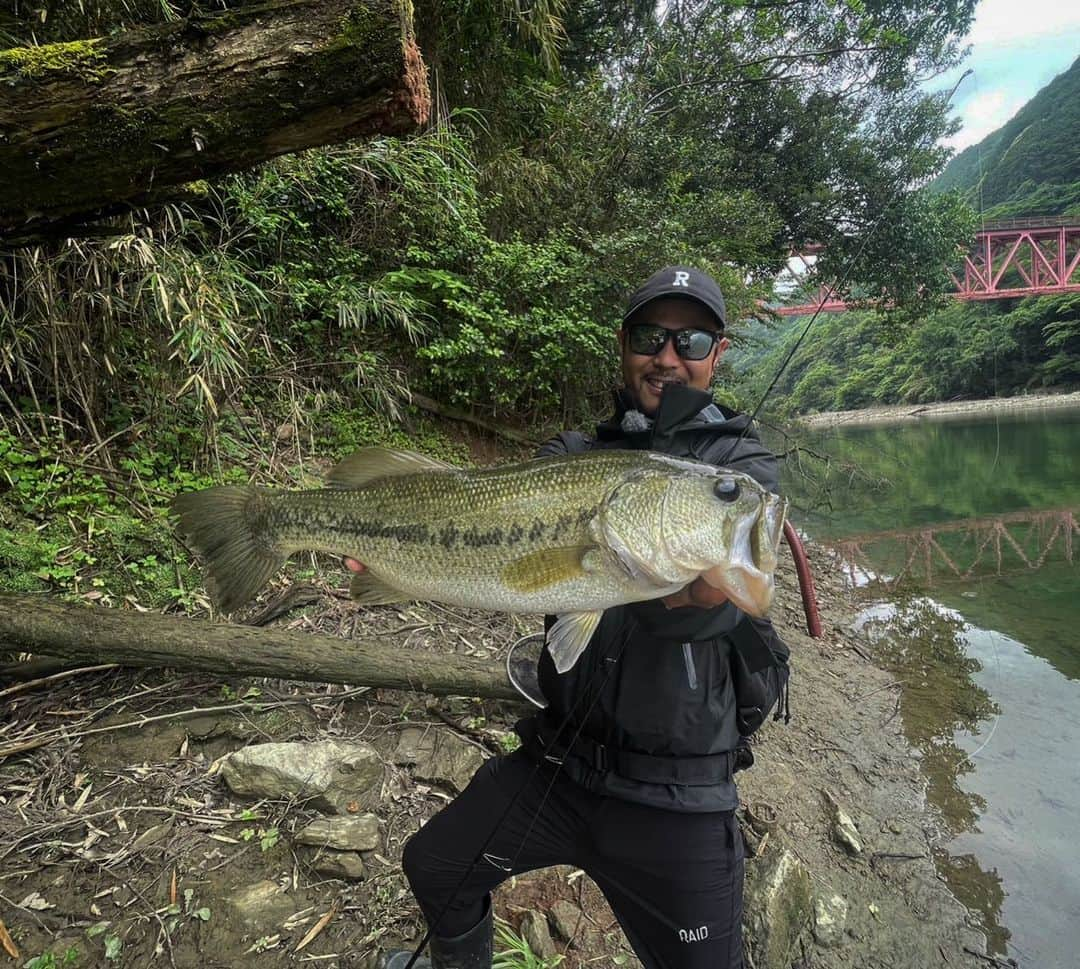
(482, 853)
(838, 283)
(798, 552)
(841, 281)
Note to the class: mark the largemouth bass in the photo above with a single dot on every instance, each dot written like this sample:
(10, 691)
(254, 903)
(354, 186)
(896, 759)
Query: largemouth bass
(570, 535)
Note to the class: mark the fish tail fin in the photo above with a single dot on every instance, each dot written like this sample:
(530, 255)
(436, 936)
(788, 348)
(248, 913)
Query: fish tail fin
(225, 525)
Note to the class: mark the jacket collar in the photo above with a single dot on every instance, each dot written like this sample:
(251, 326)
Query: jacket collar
(678, 404)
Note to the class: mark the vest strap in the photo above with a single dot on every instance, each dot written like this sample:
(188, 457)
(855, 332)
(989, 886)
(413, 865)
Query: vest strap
(689, 771)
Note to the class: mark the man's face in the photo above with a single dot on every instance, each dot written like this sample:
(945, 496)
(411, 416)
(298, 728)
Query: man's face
(645, 376)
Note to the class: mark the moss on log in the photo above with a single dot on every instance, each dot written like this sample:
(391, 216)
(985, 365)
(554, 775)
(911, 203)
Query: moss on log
(89, 124)
(47, 626)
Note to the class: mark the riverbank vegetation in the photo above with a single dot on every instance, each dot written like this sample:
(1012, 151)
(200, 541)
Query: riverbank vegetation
(289, 314)
(963, 350)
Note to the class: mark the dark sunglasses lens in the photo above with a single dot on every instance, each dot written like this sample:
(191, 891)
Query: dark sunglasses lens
(694, 344)
(648, 340)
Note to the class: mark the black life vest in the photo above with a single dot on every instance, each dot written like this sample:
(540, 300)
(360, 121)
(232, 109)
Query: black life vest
(658, 702)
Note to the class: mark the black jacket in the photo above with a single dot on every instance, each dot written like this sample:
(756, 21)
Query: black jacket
(651, 699)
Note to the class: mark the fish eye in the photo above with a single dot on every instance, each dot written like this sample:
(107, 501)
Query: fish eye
(726, 489)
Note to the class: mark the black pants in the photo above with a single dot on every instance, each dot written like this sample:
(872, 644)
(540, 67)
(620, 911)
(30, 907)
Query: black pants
(674, 881)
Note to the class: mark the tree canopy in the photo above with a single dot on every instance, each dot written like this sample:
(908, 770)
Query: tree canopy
(483, 261)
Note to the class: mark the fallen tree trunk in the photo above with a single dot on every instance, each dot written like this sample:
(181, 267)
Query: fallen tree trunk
(88, 124)
(456, 414)
(40, 624)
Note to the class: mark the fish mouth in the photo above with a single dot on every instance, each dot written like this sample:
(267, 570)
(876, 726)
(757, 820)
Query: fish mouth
(747, 578)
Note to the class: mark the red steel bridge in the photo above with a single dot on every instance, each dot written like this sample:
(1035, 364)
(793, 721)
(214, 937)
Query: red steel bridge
(959, 550)
(1009, 258)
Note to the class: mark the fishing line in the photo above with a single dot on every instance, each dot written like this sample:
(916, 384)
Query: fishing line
(997, 718)
(837, 284)
(566, 720)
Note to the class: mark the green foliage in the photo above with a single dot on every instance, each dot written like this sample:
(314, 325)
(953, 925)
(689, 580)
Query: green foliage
(65, 528)
(48, 960)
(516, 953)
(970, 350)
(1030, 165)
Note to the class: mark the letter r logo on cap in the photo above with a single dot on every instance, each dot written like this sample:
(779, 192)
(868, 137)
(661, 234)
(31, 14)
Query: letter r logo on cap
(681, 279)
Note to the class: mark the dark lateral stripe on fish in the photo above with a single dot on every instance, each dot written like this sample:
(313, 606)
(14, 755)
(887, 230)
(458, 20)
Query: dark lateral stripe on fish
(449, 536)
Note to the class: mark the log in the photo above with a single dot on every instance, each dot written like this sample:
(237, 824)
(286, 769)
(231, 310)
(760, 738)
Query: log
(456, 414)
(89, 124)
(44, 625)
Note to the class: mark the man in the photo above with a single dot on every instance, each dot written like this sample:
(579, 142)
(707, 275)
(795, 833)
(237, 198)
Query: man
(628, 771)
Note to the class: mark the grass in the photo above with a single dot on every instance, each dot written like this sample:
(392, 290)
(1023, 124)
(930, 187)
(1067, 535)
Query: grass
(516, 952)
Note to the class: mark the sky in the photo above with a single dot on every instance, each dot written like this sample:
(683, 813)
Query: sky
(1017, 47)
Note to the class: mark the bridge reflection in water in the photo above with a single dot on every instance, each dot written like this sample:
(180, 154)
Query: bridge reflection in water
(1007, 544)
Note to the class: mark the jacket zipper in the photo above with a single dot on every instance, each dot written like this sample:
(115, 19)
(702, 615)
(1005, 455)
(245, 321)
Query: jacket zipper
(691, 672)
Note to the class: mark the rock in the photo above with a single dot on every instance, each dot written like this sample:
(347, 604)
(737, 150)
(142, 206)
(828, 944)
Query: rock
(844, 832)
(534, 930)
(439, 756)
(340, 864)
(344, 834)
(332, 773)
(830, 920)
(778, 906)
(567, 918)
(261, 905)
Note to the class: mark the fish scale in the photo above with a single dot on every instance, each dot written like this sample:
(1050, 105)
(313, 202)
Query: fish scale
(573, 535)
(433, 535)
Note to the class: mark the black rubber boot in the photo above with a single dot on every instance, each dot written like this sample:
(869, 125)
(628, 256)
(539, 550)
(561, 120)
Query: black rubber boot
(473, 950)
(399, 959)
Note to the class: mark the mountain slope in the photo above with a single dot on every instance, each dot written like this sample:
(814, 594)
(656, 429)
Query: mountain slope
(1030, 165)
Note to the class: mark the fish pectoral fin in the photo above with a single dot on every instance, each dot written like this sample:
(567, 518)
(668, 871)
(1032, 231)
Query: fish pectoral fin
(538, 570)
(369, 463)
(567, 639)
(368, 590)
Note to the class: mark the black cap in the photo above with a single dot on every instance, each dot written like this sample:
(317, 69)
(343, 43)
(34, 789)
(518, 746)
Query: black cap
(679, 281)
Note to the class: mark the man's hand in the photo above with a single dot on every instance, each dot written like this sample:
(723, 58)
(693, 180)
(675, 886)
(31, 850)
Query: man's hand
(698, 593)
(353, 566)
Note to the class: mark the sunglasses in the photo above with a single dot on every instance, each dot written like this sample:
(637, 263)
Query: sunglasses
(649, 339)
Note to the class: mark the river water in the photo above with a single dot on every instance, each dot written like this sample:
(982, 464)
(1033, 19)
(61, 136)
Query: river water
(989, 664)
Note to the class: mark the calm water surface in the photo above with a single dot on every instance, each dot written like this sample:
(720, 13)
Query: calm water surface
(990, 664)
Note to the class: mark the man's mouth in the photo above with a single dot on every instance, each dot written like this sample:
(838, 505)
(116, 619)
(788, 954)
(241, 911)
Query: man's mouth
(657, 384)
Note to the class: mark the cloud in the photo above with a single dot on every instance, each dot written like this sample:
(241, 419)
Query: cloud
(1014, 51)
(1004, 22)
(986, 112)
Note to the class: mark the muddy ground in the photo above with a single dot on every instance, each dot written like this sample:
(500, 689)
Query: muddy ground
(121, 846)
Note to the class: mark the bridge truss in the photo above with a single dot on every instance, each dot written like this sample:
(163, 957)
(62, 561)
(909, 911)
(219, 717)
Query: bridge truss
(956, 551)
(1009, 258)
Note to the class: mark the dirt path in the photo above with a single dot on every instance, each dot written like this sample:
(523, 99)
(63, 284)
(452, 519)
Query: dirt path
(124, 848)
(909, 413)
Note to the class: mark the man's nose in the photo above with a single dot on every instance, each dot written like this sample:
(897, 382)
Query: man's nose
(667, 357)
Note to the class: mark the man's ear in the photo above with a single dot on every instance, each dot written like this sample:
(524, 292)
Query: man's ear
(721, 346)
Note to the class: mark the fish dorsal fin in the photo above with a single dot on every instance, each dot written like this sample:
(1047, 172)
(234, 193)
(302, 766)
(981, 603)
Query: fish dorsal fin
(544, 568)
(567, 639)
(368, 590)
(370, 463)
